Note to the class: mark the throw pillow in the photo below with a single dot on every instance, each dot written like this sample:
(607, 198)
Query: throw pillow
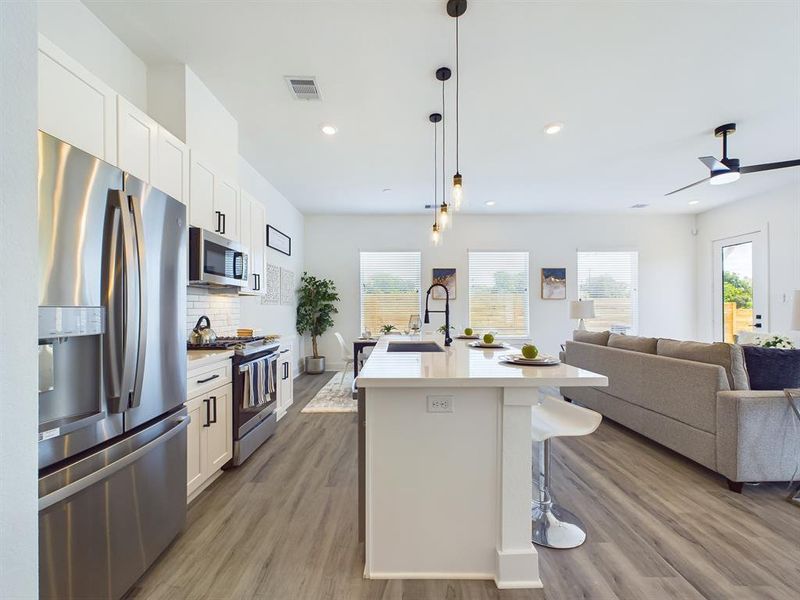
(772, 368)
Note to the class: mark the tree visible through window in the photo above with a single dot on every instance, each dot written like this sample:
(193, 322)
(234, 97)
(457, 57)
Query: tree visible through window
(611, 280)
(498, 293)
(390, 289)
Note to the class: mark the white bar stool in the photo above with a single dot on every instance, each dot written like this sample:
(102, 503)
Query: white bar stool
(551, 525)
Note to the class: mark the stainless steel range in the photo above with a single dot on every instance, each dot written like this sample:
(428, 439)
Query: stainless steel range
(252, 426)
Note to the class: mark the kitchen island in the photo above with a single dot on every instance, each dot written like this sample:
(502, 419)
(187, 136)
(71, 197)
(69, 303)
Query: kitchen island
(445, 461)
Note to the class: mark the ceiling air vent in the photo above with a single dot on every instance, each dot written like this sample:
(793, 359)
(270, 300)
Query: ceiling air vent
(303, 88)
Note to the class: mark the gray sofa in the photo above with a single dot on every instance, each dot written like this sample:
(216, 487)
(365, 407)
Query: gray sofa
(693, 398)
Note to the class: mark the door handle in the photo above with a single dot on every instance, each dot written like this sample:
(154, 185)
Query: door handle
(219, 221)
(120, 343)
(214, 418)
(223, 224)
(141, 271)
(208, 412)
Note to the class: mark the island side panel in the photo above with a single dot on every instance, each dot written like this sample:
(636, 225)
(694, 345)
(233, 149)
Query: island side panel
(432, 484)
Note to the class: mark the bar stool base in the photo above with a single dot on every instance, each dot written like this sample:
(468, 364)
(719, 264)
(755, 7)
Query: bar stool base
(556, 527)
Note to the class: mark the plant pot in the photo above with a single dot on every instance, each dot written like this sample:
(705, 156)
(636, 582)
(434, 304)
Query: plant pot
(315, 366)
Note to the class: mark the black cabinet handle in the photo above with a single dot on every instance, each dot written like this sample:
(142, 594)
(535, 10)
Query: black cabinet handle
(214, 418)
(219, 222)
(207, 379)
(223, 224)
(286, 370)
(259, 281)
(208, 412)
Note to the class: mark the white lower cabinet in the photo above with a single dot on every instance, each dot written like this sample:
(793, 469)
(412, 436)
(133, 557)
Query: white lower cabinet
(210, 434)
(285, 387)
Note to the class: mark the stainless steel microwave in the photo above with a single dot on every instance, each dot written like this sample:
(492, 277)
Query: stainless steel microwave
(215, 260)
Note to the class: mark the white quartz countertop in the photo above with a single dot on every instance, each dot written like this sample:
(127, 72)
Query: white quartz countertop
(203, 358)
(461, 365)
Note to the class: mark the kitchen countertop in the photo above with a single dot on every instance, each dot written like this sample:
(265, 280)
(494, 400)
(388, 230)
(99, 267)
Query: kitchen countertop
(462, 366)
(203, 358)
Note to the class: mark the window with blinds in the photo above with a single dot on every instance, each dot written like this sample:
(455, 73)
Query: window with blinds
(611, 279)
(498, 293)
(390, 289)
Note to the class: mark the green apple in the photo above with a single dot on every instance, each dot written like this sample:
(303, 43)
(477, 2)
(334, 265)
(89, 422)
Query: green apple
(530, 351)
(488, 338)
(468, 331)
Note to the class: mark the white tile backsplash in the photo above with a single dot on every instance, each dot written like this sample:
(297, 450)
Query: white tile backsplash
(220, 306)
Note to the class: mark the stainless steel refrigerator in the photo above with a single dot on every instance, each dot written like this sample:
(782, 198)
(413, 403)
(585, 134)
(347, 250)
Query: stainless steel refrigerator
(112, 374)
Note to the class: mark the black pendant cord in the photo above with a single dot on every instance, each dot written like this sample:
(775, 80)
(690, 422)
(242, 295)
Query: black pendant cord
(444, 151)
(435, 173)
(458, 83)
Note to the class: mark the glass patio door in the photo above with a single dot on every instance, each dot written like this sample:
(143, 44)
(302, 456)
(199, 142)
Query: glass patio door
(741, 288)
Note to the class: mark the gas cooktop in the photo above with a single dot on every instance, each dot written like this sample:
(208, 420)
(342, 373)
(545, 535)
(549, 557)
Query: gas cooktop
(241, 346)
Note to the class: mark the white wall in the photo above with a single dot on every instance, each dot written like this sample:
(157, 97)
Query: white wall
(779, 211)
(78, 32)
(666, 263)
(285, 217)
(18, 300)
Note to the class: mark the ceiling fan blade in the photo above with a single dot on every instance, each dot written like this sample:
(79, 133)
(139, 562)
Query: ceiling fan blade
(712, 163)
(686, 187)
(770, 166)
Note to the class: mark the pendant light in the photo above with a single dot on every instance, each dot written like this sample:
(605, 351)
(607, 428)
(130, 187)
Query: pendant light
(436, 232)
(456, 8)
(445, 216)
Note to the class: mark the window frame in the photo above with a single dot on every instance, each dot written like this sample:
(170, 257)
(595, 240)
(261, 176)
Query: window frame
(361, 283)
(634, 297)
(527, 303)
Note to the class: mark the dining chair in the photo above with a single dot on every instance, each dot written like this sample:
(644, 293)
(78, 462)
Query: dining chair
(346, 356)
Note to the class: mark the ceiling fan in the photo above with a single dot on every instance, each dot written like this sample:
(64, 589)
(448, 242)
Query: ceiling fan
(728, 170)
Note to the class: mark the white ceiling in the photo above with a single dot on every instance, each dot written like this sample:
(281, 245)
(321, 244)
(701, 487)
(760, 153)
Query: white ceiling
(639, 86)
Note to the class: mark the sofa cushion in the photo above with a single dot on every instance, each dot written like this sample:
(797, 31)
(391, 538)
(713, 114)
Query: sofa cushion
(599, 338)
(772, 368)
(633, 343)
(727, 356)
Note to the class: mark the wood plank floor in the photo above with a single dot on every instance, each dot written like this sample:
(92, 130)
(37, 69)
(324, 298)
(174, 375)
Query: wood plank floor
(284, 526)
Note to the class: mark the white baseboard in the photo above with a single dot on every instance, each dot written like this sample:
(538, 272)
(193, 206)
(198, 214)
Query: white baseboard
(517, 569)
(428, 575)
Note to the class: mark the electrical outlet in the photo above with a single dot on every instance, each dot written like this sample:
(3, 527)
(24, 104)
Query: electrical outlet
(440, 404)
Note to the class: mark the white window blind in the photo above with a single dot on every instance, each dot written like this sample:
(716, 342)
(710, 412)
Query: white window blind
(390, 289)
(498, 293)
(611, 279)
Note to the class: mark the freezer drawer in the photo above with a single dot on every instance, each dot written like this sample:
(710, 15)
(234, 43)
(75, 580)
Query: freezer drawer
(104, 519)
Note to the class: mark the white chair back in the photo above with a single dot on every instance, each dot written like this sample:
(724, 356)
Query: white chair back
(343, 345)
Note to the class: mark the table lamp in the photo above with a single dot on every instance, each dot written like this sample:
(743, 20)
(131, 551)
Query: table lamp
(581, 309)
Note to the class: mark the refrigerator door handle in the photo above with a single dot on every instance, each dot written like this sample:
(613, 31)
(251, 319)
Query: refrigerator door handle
(105, 472)
(136, 208)
(120, 369)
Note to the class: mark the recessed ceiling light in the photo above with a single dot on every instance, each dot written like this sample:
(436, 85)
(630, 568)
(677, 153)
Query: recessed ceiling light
(693, 202)
(553, 128)
(490, 203)
(386, 190)
(329, 130)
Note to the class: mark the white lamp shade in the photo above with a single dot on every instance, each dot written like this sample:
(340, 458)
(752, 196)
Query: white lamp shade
(581, 309)
(796, 311)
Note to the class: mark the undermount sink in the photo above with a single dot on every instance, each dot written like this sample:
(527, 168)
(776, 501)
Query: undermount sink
(414, 347)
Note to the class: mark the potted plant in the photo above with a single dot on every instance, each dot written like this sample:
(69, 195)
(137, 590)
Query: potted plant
(315, 310)
(387, 329)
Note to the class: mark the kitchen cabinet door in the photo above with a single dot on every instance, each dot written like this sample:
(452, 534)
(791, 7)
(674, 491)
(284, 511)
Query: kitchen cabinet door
(226, 207)
(195, 446)
(74, 105)
(201, 195)
(137, 136)
(220, 432)
(258, 243)
(285, 383)
(171, 173)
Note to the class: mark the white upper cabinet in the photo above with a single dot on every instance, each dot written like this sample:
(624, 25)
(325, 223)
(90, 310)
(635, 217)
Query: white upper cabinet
(137, 141)
(252, 229)
(74, 105)
(201, 194)
(171, 173)
(226, 208)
